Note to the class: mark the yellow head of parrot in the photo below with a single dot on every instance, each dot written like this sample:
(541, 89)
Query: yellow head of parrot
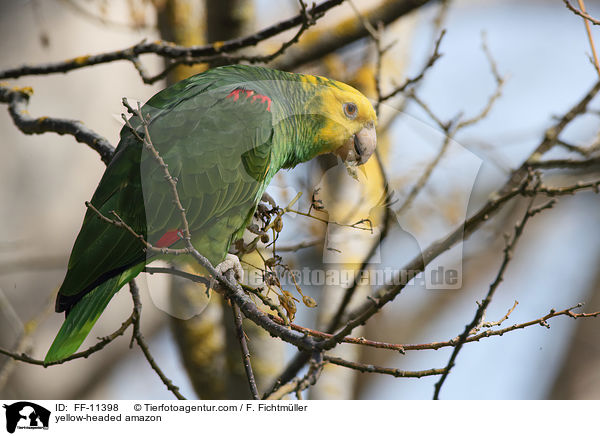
(350, 121)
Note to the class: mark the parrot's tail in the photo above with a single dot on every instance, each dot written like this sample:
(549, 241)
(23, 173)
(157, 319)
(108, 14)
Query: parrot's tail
(84, 314)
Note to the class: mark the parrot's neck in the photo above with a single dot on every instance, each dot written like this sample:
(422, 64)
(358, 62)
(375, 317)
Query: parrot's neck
(297, 120)
(294, 143)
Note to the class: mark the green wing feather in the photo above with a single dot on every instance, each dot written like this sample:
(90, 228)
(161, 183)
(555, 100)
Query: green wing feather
(219, 149)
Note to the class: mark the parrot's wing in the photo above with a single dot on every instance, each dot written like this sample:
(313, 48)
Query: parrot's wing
(102, 250)
(218, 147)
(219, 180)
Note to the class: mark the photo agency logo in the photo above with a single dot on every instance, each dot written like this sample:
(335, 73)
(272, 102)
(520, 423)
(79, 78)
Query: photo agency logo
(25, 415)
(373, 276)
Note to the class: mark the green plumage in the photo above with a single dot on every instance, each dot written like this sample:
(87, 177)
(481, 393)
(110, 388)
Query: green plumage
(222, 150)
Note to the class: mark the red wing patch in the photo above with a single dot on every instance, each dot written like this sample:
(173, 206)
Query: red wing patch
(169, 238)
(247, 93)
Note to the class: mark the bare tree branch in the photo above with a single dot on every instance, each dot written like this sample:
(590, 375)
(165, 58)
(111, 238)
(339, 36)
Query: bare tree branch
(566, 163)
(516, 183)
(312, 344)
(237, 317)
(22, 357)
(346, 32)
(204, 53)
(398, 373)
(18, 99)
(474, 336)
(139, 338)
(582, 14)
(508, 253)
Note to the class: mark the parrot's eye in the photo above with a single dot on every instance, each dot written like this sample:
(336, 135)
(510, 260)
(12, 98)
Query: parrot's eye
(350, 110)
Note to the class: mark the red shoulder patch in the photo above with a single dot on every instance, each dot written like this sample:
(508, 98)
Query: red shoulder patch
(247, 93)
(169, 238)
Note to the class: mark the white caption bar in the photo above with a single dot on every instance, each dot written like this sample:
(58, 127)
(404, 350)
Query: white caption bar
(297, 417)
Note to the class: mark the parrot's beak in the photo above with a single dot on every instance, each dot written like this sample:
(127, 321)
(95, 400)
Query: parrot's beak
(360, 146)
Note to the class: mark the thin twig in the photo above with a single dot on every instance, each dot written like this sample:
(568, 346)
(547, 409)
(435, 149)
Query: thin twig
(82, 354)
(489, 324)
(500, 80)
(566, 163)
(413, 80)
(399, 373)
(568, 190)
(298, 246)
(239, 329)
(542, 321)
(347, 339)
(298, 385)
(583, 151)
(581, 13)
(177, 272)
(139, 338)
(590, 38)
(344, 32)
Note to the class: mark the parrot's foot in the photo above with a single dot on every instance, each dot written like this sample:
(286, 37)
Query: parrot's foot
(231, 262)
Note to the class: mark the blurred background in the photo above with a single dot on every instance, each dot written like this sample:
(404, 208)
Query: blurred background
(538, 46)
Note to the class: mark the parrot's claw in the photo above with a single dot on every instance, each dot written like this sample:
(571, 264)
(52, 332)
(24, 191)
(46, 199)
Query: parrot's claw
(231, 262)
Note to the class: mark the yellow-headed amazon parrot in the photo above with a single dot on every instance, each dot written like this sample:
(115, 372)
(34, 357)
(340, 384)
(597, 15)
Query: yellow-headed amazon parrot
(224, 134)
